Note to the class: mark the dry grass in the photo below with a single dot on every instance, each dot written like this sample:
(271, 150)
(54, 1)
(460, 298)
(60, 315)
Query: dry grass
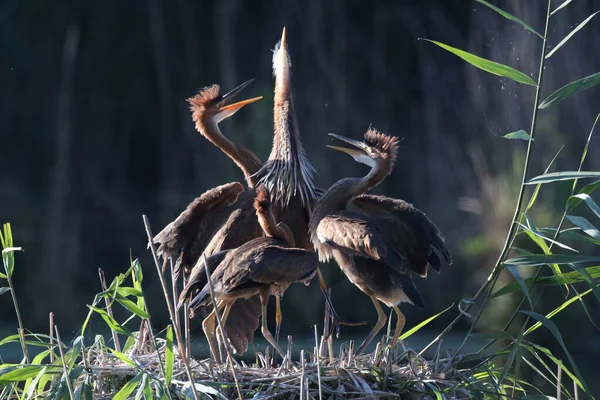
(383, 374)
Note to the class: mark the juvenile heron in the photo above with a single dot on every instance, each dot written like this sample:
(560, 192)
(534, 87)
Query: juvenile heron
(263, 266)
(377, 247)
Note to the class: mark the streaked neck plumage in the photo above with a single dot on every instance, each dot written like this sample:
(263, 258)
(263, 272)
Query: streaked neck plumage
(287, 172)
(338, 195)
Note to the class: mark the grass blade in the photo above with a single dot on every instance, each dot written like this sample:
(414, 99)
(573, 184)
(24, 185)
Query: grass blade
(570, 35)
(111, 322)
(169, 357)
(569, 89)
(4, 290)
(129, 387)
(510, 17)
(590, 203)
(587, 189)
(537, 188)
(532, 260)
(556, 333)
(585, 226)
(563, 176)
(521, 282)
(566, 278)
(487, 65)
(422, 324)
(563, 5)
(520, 134)
(19, 374)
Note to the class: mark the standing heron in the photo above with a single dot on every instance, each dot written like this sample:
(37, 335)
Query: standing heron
(218, 219)
(264, 266)
(223, 217)
(377, 247)
(287, 174)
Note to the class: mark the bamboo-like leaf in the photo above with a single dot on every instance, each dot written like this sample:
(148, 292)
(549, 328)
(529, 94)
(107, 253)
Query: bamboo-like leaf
(556, 333)
(532, 260)
(563, 176)
(123, 358)
(566, 278)
(487, 65)
(162, 392)
(4, 290)
(110, 321)
(533, 349)
(131, 306)
(538, 238)
(18, 373)
(574, 201)
(520, 134)
(573, 234)
(585, 226)
(587, 277)
(129, 387)
(422, 324)
(541, 238)
(169, 356)
(521, 282)
(589, 201)
(8, 256)
(570, 35)
(145, 390)
(563, 5)
(537, 188)
(510, 17)
(514, 351)
(126, 291)
(569, 89)
(586, 147)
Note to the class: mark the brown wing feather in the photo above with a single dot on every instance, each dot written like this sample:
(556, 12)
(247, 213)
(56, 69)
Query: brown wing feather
(352, 235)
(271, 264)
(180, 233)
(408, 228)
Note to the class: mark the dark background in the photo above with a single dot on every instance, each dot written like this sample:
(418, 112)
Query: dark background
(95, 132)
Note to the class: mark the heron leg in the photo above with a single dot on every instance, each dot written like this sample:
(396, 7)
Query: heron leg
(209, 327)
(381, 320)
(399, 326)
(278, 317)
(336, 321)
(222, 341)
(264, 298)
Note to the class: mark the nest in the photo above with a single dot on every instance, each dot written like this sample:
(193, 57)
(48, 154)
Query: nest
(384, 374)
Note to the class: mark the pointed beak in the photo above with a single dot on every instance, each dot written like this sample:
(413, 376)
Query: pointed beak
(281, 62)
(355, 143)
(352, 152)
(227, 110)
(283, 42)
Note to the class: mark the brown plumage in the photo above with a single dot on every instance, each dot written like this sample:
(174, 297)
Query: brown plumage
(263, 266)
(377, 247)
(221, 218)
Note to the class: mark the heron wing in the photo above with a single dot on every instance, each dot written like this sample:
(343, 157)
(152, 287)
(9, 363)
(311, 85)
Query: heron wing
(177, 237)
(269, 265)
(410, 231)
(197, 279)
(352, 235)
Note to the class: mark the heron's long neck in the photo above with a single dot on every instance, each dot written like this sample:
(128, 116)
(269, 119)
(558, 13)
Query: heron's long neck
(247, 161)
(287, 172)
(274, 230)
(338, 195)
